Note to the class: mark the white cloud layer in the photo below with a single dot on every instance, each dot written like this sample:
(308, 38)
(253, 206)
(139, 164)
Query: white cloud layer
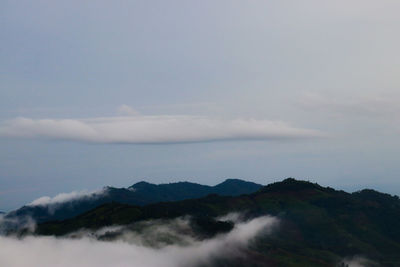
(54, 203)
(50, 251)
(65, 197)
(153, 129)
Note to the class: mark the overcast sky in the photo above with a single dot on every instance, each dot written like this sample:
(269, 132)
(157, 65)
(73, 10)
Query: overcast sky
(114, 92)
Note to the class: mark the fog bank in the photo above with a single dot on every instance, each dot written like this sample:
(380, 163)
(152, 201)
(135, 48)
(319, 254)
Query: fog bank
(88, 252)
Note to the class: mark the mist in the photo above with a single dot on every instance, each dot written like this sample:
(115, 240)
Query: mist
(86, 250)
(14, 223)
(358, 261)
(66, 197)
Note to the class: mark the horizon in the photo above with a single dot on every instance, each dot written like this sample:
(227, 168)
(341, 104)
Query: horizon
(113, 93)
(77, 194)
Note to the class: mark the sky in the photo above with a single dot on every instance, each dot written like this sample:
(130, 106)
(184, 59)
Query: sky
(112, 93)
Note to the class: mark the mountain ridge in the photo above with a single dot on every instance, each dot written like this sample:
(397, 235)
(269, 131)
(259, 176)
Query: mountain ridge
(319, 226)
(141, 193)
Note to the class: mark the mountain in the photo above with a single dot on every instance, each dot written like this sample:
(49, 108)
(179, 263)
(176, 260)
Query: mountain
(319, 226)
(139, 194)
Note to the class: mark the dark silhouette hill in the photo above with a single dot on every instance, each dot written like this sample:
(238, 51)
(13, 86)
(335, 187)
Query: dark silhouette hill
(141, 193)
(319, 226)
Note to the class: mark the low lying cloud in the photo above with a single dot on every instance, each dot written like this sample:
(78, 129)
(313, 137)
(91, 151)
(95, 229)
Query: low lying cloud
(14, 223)
(153, 129)
(66, 197)
(24, 218)
(86, 251)
(358, 261)
(51, 204)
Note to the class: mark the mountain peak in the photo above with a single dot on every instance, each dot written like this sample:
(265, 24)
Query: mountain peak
(141, 193)
(237, 186)
(142, 184)
(233, 180)
(293, 185)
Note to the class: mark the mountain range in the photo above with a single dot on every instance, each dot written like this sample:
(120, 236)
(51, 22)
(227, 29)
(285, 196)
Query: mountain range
(319, 226)
(141, 193)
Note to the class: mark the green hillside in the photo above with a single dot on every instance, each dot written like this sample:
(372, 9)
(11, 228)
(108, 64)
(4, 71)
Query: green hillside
(319, 226)
(139, 194)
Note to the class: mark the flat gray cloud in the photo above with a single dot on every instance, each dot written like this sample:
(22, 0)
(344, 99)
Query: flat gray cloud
(369, 105)
(153, 129)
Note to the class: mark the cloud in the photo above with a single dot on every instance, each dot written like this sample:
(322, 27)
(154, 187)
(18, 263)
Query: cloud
(66, 197)
(371, 114)
(357, 261)
(14, 223)
(54, 203)
(153, 129)
(126, 110)
(157, 233)
(367, 105)
(85, 251)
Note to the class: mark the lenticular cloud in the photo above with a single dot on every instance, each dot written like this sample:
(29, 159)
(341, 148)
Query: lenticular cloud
(152, 129)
